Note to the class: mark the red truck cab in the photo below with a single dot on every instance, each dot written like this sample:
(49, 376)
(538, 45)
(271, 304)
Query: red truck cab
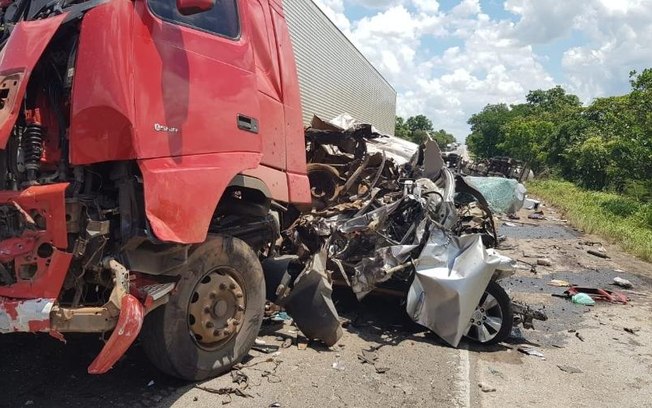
(145, 145)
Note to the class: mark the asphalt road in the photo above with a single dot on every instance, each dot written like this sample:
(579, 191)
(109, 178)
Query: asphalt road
(412, 367)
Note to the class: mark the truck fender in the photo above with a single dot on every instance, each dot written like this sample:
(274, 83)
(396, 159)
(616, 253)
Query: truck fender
(182, 193)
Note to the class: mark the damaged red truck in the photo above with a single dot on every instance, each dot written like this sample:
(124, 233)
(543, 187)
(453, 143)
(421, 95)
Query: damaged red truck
(143, 145)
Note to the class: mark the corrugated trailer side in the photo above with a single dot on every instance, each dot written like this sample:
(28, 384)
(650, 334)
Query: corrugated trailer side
(334, 76)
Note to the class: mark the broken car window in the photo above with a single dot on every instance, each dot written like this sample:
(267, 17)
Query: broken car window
(222, 19)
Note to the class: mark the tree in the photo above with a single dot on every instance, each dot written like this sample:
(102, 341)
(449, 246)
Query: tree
(525, 138)
(442, 138)
(486, 130)
(419, 136)
(401, 129)
(551, 100)
(419, 122)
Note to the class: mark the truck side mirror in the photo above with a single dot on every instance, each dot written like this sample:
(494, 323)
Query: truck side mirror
(189, 7)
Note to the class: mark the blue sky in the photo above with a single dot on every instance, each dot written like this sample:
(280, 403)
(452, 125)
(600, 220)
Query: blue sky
(449, 58)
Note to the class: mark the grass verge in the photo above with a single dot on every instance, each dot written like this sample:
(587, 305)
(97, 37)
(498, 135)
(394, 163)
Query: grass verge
(617, 219)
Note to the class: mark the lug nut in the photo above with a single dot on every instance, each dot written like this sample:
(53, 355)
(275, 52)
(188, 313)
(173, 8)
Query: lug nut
(232, 286)
(222, 286)
(212, 295)
(209, 325)
(216, 333)
(207, 310)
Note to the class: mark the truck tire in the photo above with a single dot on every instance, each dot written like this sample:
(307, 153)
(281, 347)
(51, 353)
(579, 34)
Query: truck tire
(493, 318)
(214, 314)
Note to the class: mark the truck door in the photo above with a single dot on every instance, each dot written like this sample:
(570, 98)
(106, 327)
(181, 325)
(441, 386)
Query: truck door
(270, 93)
(195, 81)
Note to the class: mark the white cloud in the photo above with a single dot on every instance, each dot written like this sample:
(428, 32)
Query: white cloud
(493, 60)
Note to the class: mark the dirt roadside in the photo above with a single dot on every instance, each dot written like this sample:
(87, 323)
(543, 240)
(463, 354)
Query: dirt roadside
(615, 365)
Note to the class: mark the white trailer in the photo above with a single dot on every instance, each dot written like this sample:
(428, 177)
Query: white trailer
(334, 76)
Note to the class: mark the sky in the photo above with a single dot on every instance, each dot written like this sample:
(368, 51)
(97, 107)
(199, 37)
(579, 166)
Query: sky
(448, 59)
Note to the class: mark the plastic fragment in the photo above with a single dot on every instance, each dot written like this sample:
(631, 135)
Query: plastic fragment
(583, 299)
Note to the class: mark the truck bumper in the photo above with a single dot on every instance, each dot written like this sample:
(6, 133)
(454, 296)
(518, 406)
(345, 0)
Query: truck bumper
(25, 315)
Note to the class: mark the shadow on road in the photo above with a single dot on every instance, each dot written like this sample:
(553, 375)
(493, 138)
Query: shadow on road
(39, 371)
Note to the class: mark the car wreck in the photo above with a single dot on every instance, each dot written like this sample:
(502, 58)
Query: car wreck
(412, 229)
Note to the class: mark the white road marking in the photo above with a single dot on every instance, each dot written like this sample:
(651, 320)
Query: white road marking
(464, 380)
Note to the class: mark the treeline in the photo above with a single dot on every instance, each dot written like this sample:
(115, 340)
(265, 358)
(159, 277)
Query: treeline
(417, 129)
(604, 146)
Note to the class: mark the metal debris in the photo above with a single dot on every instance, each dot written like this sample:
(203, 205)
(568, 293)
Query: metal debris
(526, 315)
(412, 228)
(265, 348)
(531, 351)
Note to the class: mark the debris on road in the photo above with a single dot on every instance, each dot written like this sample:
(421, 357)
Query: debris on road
(583, 299)
(559, 283)
(371, 357)
(338, 365)
(579, 336)
(265, 348)
(531, 204)
(486, 388)
(531, 351)
(597, 294)
(537, 215)
(623, 283)
(599, 254)
(570, 369)
(544, 262)
(632, 330)
(238, 377)
(525, 315)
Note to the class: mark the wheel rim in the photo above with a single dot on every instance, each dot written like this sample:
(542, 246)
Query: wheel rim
(487, 319)
(216, 309)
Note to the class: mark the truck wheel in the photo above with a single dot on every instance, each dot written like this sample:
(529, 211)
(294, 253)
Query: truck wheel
(493, 318)
(213, 315)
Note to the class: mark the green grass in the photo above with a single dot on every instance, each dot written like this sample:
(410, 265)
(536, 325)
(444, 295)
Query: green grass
(615, 218)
